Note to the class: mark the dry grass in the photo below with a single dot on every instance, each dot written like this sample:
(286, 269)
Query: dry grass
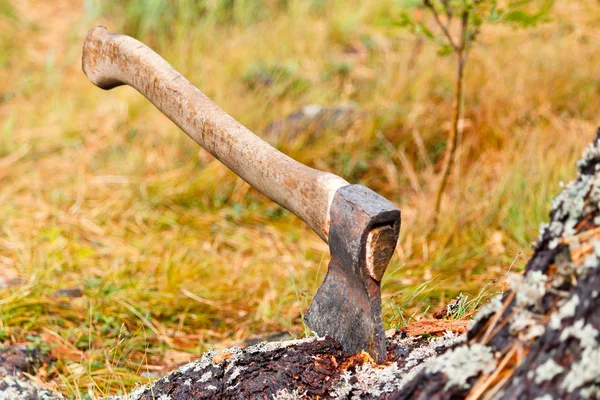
(175, 254)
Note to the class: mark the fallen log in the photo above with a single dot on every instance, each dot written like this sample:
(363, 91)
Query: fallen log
(539, 341)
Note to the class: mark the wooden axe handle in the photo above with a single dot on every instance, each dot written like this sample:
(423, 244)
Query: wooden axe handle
(111, 60)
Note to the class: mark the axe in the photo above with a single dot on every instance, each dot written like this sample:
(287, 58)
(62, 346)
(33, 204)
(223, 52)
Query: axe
(360, 226)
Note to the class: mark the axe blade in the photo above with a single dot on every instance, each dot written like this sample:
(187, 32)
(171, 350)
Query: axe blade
(362, 237)
(344, 309)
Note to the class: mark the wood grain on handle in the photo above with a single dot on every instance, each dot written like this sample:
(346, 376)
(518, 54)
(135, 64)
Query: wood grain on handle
(111, 60)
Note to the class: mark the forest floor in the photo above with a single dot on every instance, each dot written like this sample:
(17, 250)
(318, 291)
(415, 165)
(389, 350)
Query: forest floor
(125, 249)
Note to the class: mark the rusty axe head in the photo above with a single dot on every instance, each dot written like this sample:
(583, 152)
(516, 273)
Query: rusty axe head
(362, 237)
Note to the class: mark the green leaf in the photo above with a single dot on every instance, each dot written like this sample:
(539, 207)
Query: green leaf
(476, 19)
(522, 18)
(404, 20)
(445, 50)
(495, 13)
(7, 10)
(519, 13)
(423, 30)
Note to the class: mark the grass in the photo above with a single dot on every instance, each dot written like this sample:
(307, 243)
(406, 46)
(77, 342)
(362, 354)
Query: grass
(175, 255)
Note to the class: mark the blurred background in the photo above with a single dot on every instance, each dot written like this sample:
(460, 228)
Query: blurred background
(126, 249)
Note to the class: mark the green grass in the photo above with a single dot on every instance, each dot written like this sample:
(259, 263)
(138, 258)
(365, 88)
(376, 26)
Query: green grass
(175, 255)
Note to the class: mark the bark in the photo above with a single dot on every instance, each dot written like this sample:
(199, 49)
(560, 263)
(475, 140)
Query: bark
(539, 341)
(16, 363)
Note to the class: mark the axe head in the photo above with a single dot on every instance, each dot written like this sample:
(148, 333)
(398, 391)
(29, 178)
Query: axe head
(362, 238)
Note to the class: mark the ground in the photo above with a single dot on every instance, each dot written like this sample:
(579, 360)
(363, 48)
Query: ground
(126, 249)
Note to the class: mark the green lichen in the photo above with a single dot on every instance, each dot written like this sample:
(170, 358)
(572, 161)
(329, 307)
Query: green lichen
(547, 371)
(135, 394)
(376, 381)
(198, 365)
(492, 307)
(286, 394)
(586, 333)
(371, 380)
(236, 371)
(590, 392)
(529, 288)
(462, 363)
(583, 372)
(567, 310)
(205, 377)
(591, 152)
(526, 325)
(569, 205)
(424, 352)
